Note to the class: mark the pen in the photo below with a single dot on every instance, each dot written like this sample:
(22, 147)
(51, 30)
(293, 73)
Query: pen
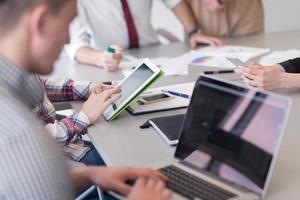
(127, 57)
(110, 50)
(219, 72)
(177, 94)
(107, 83)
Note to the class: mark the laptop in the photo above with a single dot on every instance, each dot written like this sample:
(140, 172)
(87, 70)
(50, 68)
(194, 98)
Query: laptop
(229, 143)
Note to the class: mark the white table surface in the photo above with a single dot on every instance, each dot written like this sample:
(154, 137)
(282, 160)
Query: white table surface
(122, 142)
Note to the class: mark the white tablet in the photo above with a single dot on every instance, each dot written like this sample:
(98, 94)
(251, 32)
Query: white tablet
(132, 86)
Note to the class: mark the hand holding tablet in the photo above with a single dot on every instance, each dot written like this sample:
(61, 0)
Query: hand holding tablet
(132, 86)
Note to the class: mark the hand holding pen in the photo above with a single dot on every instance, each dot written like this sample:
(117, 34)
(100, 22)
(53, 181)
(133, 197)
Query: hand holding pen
(111, 58)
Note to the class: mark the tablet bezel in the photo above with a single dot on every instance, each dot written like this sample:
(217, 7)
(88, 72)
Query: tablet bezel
(156, 70)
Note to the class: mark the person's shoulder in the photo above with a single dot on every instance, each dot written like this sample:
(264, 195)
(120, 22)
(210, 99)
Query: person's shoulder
(15, 117)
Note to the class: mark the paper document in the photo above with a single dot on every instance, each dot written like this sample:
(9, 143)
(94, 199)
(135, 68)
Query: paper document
(216, 56)
(279, 56)
(170, 66)
(173, 103)
(208, 57)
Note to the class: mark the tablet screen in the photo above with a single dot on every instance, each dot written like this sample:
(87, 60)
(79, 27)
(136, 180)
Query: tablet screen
(131, 85)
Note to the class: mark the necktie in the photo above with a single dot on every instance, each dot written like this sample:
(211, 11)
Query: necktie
(132, 32)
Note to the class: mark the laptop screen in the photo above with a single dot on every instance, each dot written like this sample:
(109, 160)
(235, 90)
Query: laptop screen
(232, 132)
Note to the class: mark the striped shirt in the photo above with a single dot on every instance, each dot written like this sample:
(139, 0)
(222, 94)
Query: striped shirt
(67, 131)
(32, 165)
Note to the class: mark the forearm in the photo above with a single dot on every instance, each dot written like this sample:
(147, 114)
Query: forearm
(87, 55)
(59, 89)
(290, 80)
(72, 126)
(80, 177)
(89, 175)
(184, 14)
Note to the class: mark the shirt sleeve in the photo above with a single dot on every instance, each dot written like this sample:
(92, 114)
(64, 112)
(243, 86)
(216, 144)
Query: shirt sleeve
(58, 89)
(65, 130)
(291, 66)
(171, 3)
(79, 33)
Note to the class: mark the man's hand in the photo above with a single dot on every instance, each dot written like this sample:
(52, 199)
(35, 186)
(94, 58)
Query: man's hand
(264, 77)
(99, 87)
(98, 102)
(111, 61)
(115, 178)
(149, 190)
(214, 5)
(199, 38)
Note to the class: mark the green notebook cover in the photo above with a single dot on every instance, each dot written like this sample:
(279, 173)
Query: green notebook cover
(158, 76)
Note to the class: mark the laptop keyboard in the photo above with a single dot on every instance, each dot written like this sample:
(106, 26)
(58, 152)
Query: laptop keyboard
(193, 187)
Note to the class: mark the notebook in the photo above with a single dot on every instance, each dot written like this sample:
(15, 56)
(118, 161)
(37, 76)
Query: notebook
(167, 127)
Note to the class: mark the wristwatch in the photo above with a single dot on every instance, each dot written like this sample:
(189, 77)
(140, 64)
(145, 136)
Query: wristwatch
(192, 32)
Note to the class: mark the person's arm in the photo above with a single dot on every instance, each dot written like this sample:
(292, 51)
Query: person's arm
(109, 61)
(58, 89)
(291, 66)
(268, 77)
(77, 124)
(184, 14)
(66, 129)
(115, 178)
(80, 50)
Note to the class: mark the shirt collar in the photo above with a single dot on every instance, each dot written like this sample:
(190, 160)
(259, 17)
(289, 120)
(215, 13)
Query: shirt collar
(21, 82)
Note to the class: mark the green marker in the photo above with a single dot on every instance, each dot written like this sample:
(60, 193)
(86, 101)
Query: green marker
(110, 50)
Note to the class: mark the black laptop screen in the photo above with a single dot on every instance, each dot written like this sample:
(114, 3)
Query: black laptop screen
(232, 132)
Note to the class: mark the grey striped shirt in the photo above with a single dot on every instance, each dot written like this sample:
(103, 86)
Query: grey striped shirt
(32, 165)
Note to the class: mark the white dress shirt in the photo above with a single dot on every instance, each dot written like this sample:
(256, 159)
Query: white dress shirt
(101, 23)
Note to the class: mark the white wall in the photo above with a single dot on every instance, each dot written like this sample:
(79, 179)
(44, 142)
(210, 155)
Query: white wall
(282, 15)
(279, 15)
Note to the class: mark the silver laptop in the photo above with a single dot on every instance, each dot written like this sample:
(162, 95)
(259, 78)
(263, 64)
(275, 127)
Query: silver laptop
(229, 142)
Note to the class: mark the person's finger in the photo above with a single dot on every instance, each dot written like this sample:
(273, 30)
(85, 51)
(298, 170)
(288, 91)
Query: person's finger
(160, 175)
(210, 42)
(193, 43)
(253, 83)
(108, 56)
(160, 186)
(108, 93)
(141, 182)
(121, 188)
(167, 194)
(146, 172)
(150, 183)
(249, 83)
(238, 70)
(111, 63)
(253, 71)
(98, 89)
(217, 42)
(253, 77)
(111, 100)
(105, 87)
(118, 56)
